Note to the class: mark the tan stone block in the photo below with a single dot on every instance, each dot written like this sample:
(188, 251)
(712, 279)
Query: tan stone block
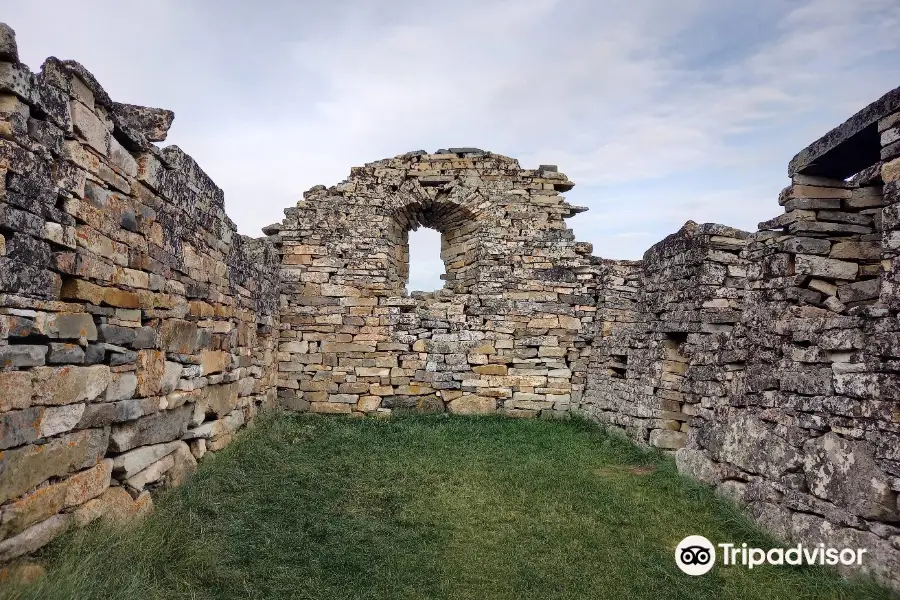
(490, 369)
(37, 506)
(569, 323)
(78, 289)
(214, 361)
(470, 404)
(330, 408)
(15, 390)
(413, 389)
(132, 278)
(151, 367)
(544, 322)
(368, 403)
(88, 484)
(890, 171)
(373, 372)
(485, 348)
(57, 386)
(121, 298)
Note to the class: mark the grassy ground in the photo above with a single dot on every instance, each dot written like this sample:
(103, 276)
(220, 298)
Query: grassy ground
(415, 508)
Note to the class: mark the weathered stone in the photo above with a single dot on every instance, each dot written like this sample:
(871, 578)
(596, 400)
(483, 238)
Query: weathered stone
(9, 51)
(178, 337)
(161, 427)
(65, 354)
(753, 447)
(472, 405)
(666, 439)
(22, 356)
(122, 386)
(696, 464)
(221, 399)
(88, 484)
(20, 427)
(59, 419)
(23, 468)
(15, 390)
(214, 361)
(171, 375)
(818, 266)
(34, 537)
(33, 508)
(56, 386)
(151, 365)
(330, 407)
(71, 326)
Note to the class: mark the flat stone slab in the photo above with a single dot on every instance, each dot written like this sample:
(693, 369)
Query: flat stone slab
(850, 147)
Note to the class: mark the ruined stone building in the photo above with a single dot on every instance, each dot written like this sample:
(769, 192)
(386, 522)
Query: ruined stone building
(139, 331)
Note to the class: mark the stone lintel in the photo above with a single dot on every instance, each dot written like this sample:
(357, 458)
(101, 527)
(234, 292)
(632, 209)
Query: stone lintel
(850, 147)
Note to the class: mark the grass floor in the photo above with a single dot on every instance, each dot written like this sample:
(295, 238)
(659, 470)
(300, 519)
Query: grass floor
(424, 507)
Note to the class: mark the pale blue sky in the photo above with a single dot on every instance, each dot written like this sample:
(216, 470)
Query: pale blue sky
(660, 111)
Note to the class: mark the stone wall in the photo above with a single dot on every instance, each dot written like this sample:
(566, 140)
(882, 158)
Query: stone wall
(510, 330)
(137, 329)
(769, 361)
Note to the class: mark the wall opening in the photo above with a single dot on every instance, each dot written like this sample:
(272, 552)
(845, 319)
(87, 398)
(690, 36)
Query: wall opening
(434, 247)
(426, 267)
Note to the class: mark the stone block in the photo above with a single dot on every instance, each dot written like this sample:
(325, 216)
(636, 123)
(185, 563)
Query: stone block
(15, 390)
(36, 507)
(22, 355)
(70, 326)
(19, 427)
(122, 386)
(827, 268)
(23, 468)
(62, 353)
(214, 361)
(55, 386)
(132, 462)
(161, 427)
(330, 408)
(151, 365)
(221, 399)
(34, 537)
(88, 484)
(470, 404)
(178, 337)
(59, 419)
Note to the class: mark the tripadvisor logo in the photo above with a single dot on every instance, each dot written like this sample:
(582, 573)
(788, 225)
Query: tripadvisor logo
(696, 555)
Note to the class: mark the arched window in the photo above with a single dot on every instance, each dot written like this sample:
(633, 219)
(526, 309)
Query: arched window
(434, 247)
(425, 263)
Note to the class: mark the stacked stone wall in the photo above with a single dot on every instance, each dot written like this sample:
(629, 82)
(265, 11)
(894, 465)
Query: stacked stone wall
(137, 328)
(509, 332)
(139, 331)
(768, 361)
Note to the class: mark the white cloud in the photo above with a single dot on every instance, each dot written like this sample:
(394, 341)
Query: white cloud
(660, 111)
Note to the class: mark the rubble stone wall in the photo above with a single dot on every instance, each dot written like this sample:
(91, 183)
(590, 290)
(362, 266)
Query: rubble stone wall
(137, 329)
(769, 361)
(509, 331)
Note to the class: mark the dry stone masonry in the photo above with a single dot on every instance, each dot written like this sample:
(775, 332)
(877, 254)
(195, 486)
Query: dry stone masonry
(506, 334)
(139, 331)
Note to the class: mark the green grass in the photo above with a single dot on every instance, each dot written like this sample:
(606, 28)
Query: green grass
(424, 507)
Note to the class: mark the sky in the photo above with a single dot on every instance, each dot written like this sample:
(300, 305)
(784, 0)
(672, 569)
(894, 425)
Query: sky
(660, 111)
